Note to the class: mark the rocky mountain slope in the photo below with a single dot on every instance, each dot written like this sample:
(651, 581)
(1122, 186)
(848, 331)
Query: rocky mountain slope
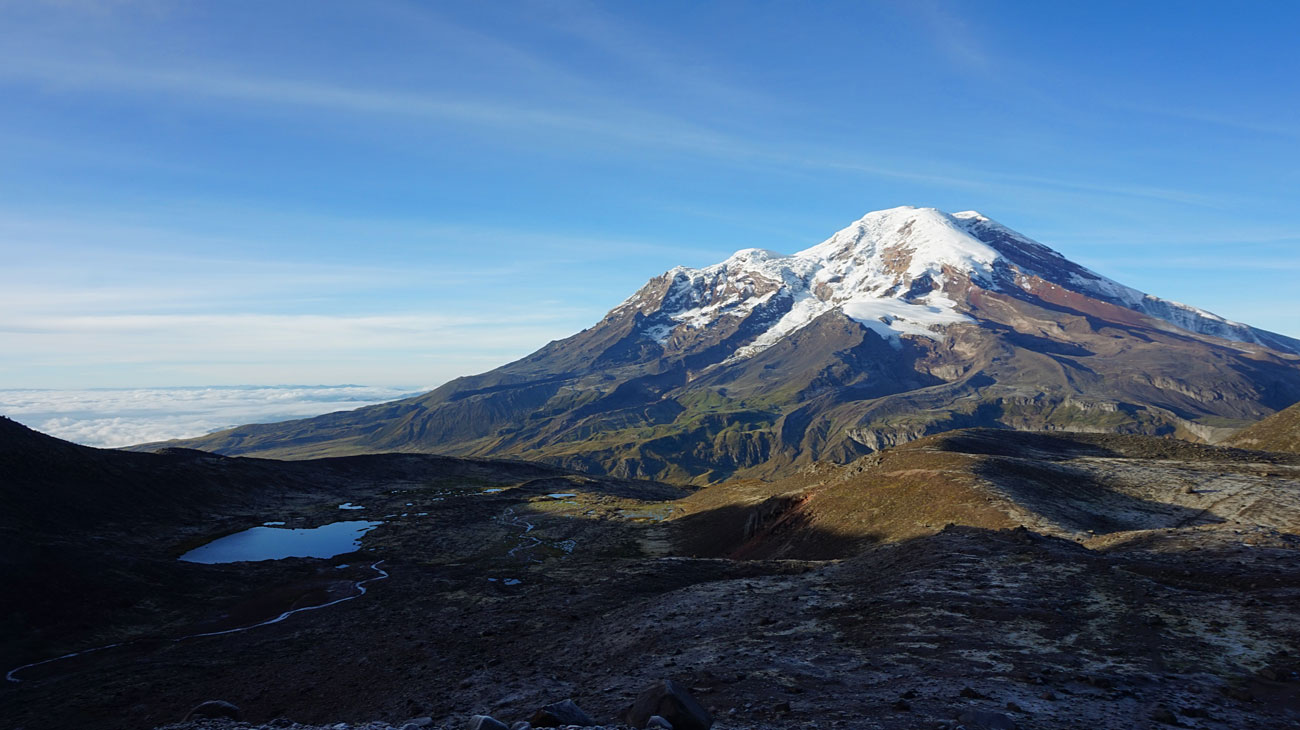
(1091, 488)
(1278, 432)
(908, 322)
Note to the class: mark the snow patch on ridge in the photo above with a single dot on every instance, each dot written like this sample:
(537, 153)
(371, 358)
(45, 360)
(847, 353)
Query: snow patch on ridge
(934, 239)
(890, 318)
(859, 271)
(806, 308)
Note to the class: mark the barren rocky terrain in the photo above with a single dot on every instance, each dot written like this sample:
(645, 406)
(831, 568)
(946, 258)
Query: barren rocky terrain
(1153, 583)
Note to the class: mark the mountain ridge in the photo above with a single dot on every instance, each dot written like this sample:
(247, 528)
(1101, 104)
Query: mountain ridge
(885, 256)
(908, 322)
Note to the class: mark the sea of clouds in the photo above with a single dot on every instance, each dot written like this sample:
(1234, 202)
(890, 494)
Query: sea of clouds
(110, 417)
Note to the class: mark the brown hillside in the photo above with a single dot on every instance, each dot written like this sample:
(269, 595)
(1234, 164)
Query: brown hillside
(1278, 432)
(1077, 486)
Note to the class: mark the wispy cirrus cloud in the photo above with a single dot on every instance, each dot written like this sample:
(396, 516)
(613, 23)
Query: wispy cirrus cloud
(631, 127)
(957, 177)
(176, 349)
(1277, 127)
(208, 183)
(650, 59)
(1201, 263)
(599, 118)
(580, 109)
(954, 35)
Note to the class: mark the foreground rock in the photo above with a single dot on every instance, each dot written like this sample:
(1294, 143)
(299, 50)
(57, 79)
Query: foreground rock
(559, 714)
(486, 722)
(670, 701)
(215, 709)
(224, 724)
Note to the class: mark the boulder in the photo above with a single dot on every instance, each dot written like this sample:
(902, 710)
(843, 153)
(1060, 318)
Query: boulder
(215, 709)
(658, 723)
(672, 702)
(486, 722)
(557, 714)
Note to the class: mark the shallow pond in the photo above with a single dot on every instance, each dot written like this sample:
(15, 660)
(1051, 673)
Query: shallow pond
(274, 543)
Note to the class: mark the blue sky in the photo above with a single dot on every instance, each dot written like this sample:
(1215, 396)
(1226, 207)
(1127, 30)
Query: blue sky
(398, 193)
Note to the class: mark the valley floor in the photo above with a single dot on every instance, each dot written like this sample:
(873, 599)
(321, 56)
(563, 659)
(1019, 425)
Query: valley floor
(510, 593)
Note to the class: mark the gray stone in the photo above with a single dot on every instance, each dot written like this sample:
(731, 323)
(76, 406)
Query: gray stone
(486, 722)
(215, 709)
(671, 701)
(420, 722)
(656, 721)
(521, 725)
(561, 713)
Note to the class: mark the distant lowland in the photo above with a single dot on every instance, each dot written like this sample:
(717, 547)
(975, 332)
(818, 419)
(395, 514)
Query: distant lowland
(112, 417)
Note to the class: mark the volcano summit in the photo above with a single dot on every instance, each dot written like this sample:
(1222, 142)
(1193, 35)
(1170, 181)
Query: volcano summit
(908, 322)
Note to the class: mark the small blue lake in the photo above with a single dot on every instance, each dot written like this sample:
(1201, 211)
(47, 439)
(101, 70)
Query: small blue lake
(274, 543)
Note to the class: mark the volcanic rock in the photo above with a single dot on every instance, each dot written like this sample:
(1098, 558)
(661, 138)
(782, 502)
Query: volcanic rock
(671, 701)
(485, 722)
(561, 713)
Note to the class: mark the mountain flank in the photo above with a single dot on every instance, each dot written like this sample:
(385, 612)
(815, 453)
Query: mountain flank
(1090, 488)
(906, 323)
(1278, 432)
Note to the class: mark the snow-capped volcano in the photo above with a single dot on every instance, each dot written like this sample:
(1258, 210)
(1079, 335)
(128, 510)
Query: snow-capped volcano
(908, 322)
(901, 271)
